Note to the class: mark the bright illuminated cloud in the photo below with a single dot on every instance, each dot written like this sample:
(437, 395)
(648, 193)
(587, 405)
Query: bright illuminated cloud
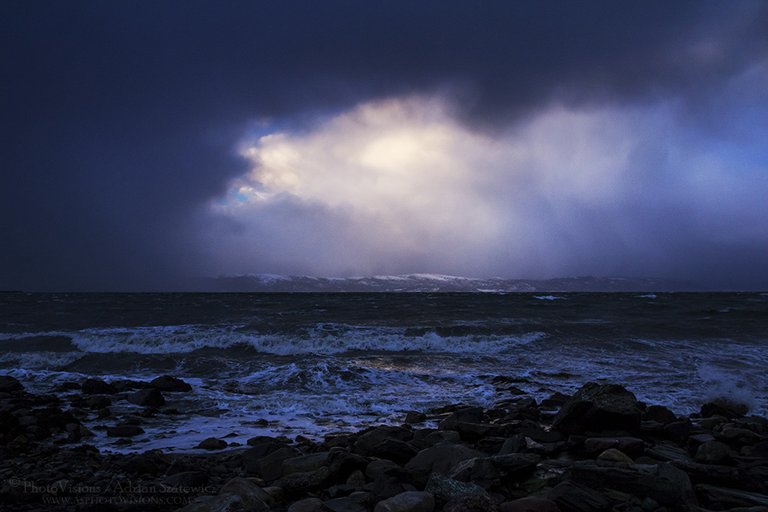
(401, 186)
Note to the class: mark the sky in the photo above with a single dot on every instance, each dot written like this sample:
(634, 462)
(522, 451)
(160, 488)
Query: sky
(145, 144)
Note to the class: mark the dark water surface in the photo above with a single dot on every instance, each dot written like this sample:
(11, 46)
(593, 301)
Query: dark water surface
(312, 363)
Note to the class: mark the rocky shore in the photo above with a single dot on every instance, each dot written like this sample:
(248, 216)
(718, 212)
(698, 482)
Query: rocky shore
(598, 450)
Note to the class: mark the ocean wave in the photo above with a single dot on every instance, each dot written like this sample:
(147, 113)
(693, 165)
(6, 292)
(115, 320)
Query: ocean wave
(320, 339)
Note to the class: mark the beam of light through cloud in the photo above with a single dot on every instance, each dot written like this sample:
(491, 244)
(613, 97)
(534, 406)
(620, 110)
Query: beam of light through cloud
(400, 185)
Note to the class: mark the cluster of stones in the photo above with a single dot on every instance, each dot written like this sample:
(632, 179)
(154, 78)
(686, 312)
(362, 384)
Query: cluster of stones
(599, 450)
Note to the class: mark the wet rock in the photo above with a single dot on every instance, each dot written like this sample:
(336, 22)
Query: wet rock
(599, 407)
(570, 497)
(439, 459)
(663, 482)
(305, 463)
(529, 505)
(253, 497)
(346, 504)
(411, 501)
(632, 446)
(212, 443)
(491, 470)
(170, 384)
(471, 503)
(614, 455)
(730, 498)
(724, 407)
(444, 488)
(301, 483)
(187, 479)
(393, 449)
(147, 398)
(463, 415)
(739, 435)
(98, 402)
(668, 452)
(415, 417)
(220, 503)
(659, 414)
(713, 452)
(307, 505)
(269, 466)
(125, 431)
(342, 464)
(9, 384)
(97, 387)
(367, 441)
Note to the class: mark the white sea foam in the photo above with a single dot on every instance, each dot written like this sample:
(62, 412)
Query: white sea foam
(548, 297)
(322, 339)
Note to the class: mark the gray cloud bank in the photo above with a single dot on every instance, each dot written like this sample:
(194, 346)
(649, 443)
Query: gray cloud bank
(122, 125)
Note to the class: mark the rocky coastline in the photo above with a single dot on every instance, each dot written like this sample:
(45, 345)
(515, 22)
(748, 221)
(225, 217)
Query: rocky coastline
(598, 450)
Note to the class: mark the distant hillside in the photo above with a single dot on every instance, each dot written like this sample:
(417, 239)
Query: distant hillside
(436, 283)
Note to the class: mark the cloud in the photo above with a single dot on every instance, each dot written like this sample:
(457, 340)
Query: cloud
(122, 124)
(400, 185)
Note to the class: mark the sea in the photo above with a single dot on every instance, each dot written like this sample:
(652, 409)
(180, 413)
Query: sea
(313, 364)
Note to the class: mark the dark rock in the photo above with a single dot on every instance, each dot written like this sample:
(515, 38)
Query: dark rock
(264, 445)
(392, 449)
(614, 455)
(471, 503)
(474, 431)
(491, 444)
(220, 503)
(724, 407)
(412, 501)
(440, 459)
(307, 505)
(663, 482)
(187, 479)
(269, 466)
(212, 443)
(739, 435)
(415, 417)
(147, 398)
(514, 444)
(97, 387)
(346, 504)
(632, 446)
(490, 470)
(713, 452)
(668, 452)
(253, 497)
(125, 431)
(366, 442)
(464, 415)
(529, 505)
(305, 463)
(170, 384)
(9, 384)
(342, 464)
(445, 488)
(304, 482)
(659, 414)
(599, 407)
(386, 478)
(730, 498)
(128, 385)
(570, 497)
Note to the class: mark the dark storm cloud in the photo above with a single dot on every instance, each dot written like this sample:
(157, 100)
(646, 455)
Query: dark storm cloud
(120, 118)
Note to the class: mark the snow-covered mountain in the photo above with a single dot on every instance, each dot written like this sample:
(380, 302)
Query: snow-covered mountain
(434, 283)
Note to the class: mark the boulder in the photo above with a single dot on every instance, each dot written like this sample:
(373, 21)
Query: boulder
(345, 504)
(305, 463)
(463, 415)
(212, 443)
(253, 497)
(614, 455)
(599, 407)
(632, 446)
(367, 441)
(307, 505)
(304, 482)
(726, 498)
(663, 482)
(187, 479)
(445, 488)
(170, 384)
(147, 398)
(471, 503)
(529, 504)
(393, 449)
(220, 503)
(571, 497)
(269, 467)
(440, 459)
(724, 407)
(9, 384)
(97, 387)
(713, 452)
(659, 414)
(411, 501)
